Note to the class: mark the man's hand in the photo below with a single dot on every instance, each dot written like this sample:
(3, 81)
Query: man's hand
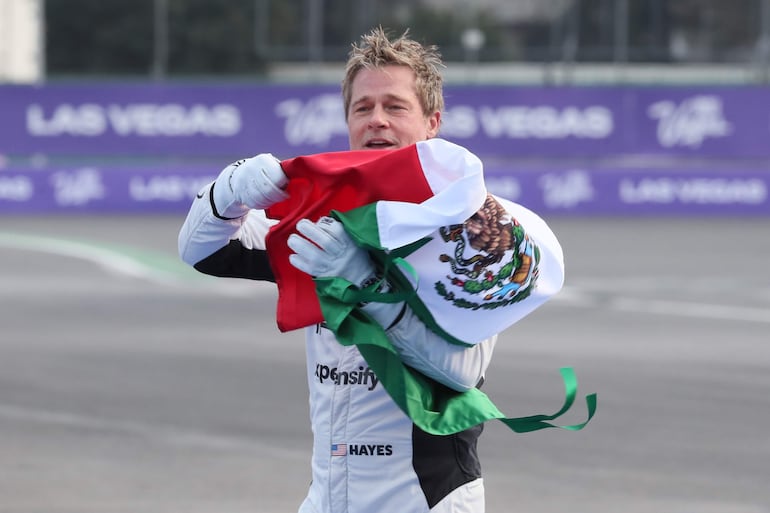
(326, 250)
(256, 182)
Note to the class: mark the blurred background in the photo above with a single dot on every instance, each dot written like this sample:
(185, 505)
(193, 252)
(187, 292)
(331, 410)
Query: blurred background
(638, 129)
(600, 106)
(257, 39)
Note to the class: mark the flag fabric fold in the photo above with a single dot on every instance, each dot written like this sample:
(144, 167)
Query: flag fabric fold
(468, 263)
(406, 177)
(467, 281)
(431, 406)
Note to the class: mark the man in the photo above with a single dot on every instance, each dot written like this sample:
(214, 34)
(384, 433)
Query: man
(368, 457)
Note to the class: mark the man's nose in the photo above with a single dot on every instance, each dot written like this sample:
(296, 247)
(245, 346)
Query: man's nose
(377, 117)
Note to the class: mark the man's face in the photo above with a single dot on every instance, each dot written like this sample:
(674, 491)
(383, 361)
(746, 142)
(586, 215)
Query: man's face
(385, 112)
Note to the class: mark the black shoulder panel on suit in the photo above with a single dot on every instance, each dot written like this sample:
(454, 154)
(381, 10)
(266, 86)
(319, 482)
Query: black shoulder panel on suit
(236, 261)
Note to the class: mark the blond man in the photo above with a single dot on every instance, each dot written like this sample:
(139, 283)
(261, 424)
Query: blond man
(368, 456)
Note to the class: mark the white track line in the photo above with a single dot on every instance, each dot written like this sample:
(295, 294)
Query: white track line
(108, 259)
(130, 266)
(112, 260)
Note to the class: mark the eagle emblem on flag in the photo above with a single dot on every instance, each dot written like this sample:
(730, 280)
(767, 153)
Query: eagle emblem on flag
(494, 261)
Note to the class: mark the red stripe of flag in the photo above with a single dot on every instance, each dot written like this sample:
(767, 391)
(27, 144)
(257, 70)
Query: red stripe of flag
(319, 184)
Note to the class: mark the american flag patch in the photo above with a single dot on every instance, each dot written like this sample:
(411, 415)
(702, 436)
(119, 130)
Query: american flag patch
(339, 449)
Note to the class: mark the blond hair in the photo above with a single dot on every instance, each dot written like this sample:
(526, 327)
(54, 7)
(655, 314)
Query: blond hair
(376, 49)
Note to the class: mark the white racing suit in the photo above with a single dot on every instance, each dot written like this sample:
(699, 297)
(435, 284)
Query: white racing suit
(368, 457)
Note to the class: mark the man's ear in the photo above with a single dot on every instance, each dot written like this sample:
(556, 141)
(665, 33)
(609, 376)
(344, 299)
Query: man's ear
(434, 123)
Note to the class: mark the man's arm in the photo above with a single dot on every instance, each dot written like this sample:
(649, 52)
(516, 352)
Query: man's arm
(223, 234)
(458, 367)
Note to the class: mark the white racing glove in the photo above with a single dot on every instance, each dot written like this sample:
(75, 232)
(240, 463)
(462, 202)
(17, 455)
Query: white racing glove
(326, 250)
(256, 182)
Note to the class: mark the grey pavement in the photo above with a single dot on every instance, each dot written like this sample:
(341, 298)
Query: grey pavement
(129, 383)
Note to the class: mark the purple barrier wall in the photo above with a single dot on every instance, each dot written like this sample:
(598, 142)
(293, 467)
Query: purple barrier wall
(242, 120)
(552, 127)
(552, 191)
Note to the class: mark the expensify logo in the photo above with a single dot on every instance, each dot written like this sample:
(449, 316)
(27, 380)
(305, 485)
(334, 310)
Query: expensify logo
(362, 376)
(136, 119)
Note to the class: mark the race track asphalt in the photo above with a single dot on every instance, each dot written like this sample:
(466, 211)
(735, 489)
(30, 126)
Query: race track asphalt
(131, 384)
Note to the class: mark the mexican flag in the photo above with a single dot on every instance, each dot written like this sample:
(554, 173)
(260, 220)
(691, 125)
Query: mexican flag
(427, 185)
(467, 280)
(468, 263)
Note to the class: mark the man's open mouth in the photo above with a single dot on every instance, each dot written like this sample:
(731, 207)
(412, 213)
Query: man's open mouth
(378, 144)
